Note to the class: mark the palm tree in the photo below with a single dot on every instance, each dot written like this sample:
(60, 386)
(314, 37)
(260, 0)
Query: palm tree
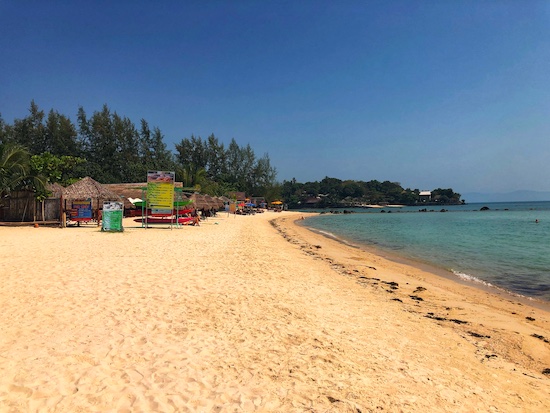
(191, 176)
(14, 167)
(16, 173)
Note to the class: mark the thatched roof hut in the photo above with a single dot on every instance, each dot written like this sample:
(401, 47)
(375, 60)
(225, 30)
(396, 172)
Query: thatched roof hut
(89, 188)
(214, 203)
(56, 190)
(198, 201)
(219, 201)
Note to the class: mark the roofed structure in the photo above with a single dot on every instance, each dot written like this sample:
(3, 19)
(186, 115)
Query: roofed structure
(425, 196)
(88, 188)
(238, 196)
(56, 190)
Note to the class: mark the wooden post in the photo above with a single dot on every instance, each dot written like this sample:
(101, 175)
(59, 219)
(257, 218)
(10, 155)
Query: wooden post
(63, 213)
(98, 216)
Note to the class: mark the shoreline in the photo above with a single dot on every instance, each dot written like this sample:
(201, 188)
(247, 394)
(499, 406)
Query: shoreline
(252, 314)
(512, 312)
(438, 271)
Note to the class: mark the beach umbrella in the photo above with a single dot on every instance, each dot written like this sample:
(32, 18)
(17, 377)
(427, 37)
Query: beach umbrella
(223, 200)
(199, 201)
(211, 201)
(276, 203)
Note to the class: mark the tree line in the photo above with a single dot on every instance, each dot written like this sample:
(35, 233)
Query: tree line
(40, 149)
(333, 192)
(110, 148)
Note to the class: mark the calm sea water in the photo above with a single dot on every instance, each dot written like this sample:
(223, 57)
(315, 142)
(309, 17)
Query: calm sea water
(503, 247)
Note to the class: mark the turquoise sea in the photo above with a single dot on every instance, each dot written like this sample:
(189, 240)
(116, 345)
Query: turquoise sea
(503, 247)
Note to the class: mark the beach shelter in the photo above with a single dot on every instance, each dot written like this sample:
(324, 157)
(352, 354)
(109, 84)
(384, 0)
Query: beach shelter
(213, 202)
(219, 202)
(276, 203)
(199, 201)
(88, 188)
(181, 201)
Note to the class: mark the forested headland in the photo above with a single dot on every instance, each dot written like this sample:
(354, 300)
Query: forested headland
(333, 193)
(45, 148)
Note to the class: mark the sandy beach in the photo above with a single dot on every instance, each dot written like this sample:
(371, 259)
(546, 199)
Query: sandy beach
(252, 314)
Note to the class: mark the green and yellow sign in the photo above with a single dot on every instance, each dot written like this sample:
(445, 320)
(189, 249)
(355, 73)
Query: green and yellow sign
(160, 192)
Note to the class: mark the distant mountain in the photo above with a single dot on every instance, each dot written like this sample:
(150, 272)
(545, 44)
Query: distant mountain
(515, 196)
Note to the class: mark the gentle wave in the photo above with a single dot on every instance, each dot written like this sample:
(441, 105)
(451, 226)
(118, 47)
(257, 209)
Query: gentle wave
(475, 280)
(471, 278)
(332, 236)
(506, 247)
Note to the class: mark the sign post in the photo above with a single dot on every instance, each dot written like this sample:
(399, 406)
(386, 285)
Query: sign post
(81, 210)
(160, 193)
(112, 217)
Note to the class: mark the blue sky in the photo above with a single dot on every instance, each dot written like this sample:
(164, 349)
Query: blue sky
(426, 93)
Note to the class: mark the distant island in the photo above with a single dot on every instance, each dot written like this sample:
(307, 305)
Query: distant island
(336, 193)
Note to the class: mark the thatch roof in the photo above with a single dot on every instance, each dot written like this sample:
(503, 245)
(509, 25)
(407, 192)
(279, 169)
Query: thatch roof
(136, 190)
(125, 191)
(199, 201)
(56, 190)
(204, 201)
(239, 196)
(214, 202)
(89, 188)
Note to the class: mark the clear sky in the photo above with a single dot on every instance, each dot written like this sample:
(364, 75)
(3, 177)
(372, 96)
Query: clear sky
(435, 93)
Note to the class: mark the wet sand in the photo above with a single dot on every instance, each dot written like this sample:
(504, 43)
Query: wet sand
(244, 313)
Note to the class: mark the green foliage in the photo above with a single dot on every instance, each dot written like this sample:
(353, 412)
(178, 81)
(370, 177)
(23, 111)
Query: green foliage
(235, 168)
(60, 136)
(109, 148)
(5, 132)
(56, 169)
(29, 132)
(334, 192)
(445, 196)
(14, 167)
(16, 172)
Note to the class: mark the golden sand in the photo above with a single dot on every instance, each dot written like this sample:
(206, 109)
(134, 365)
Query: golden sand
(242, 314)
